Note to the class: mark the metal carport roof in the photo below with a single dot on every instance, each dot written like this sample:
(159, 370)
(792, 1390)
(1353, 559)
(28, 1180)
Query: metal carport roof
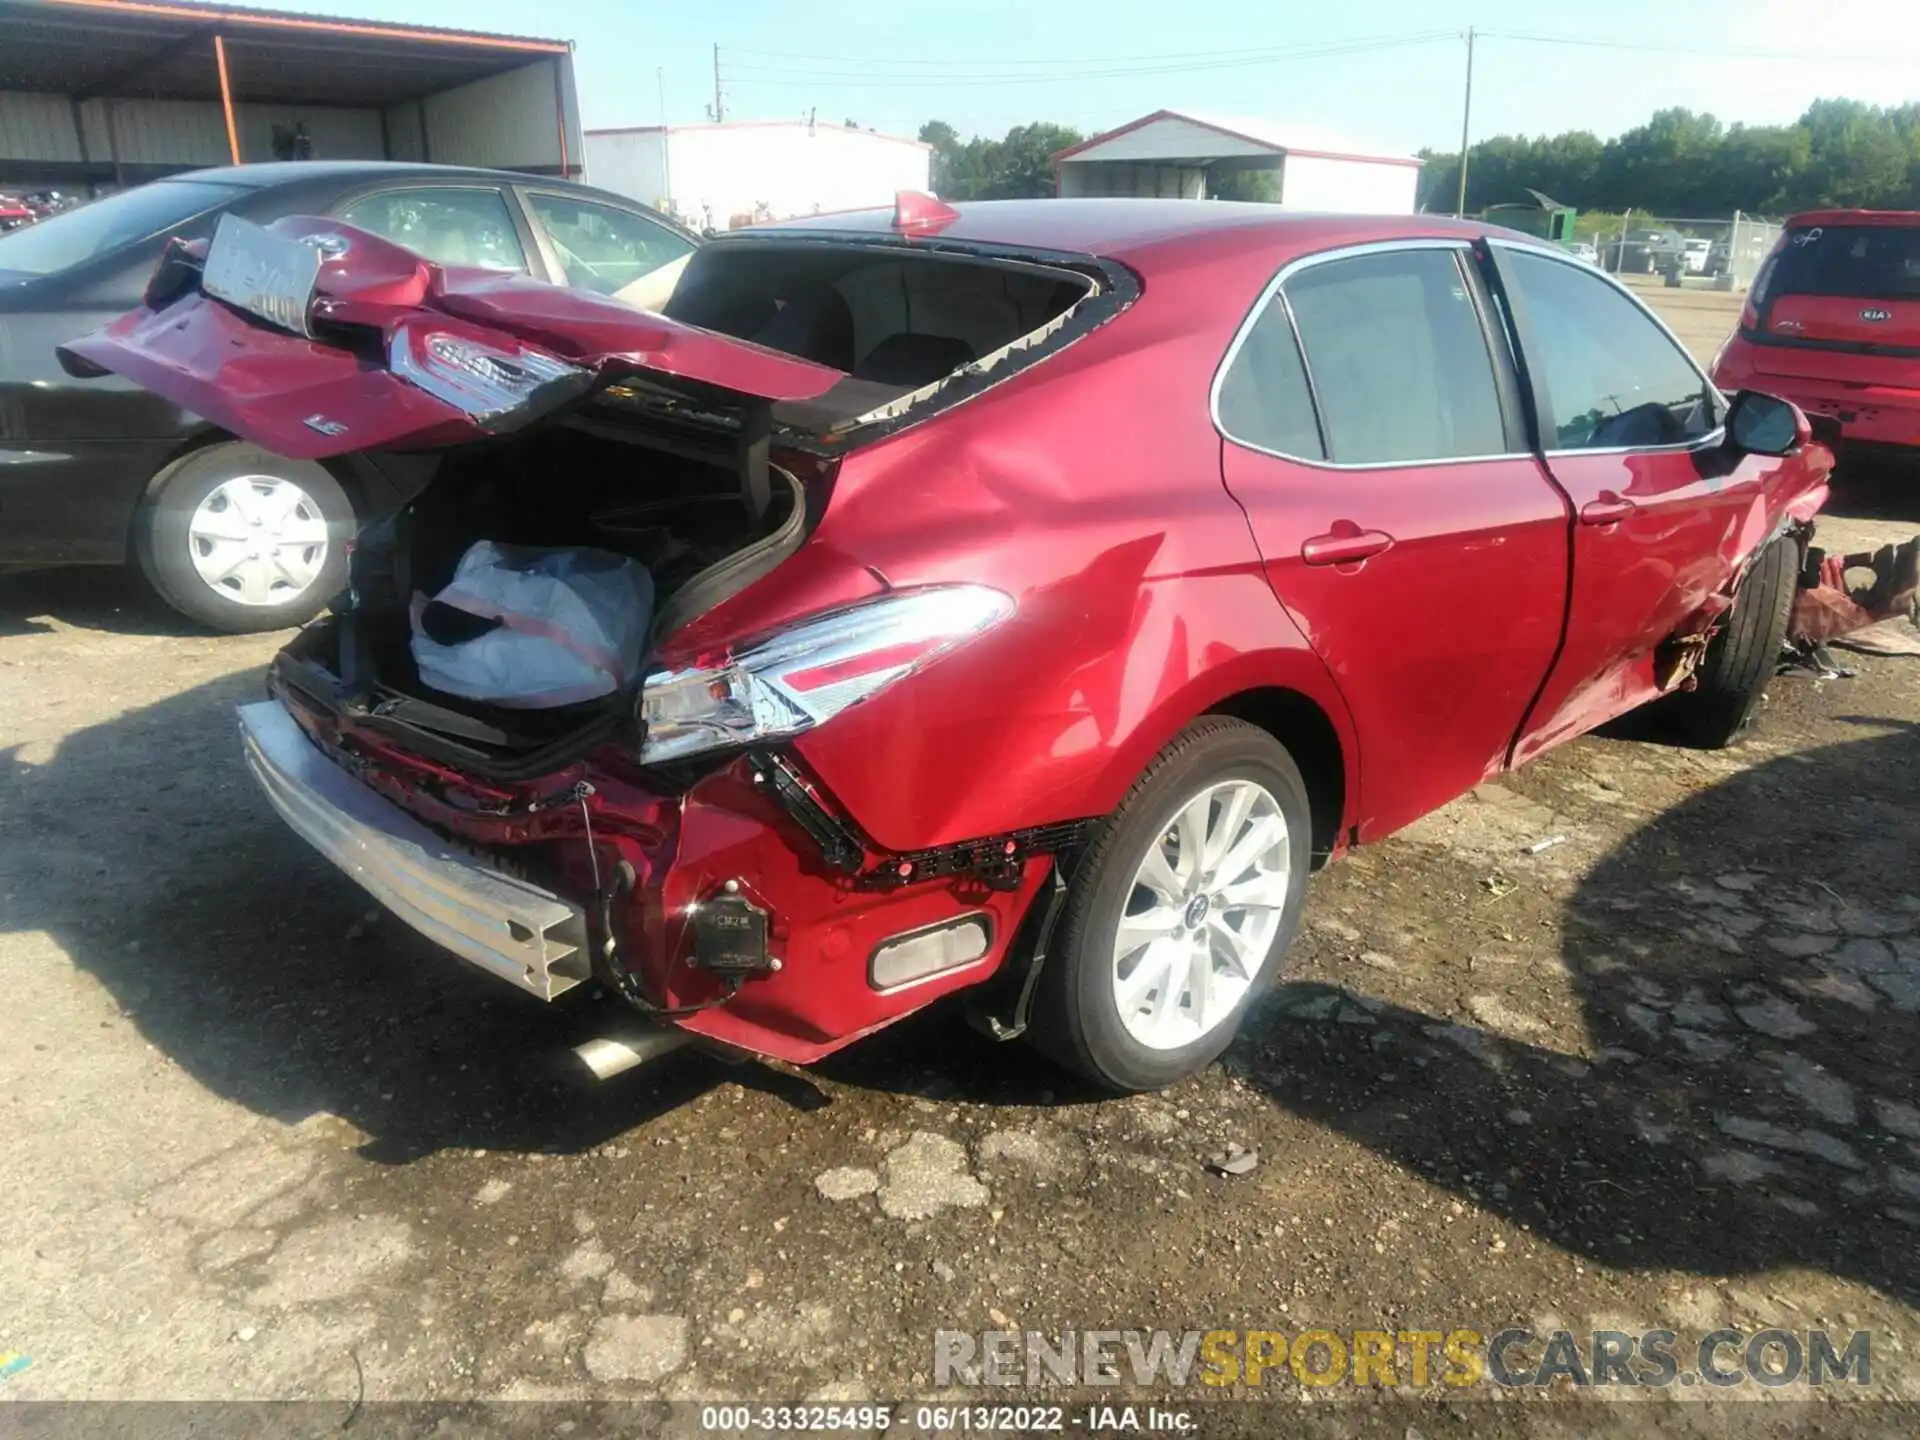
(164, 49)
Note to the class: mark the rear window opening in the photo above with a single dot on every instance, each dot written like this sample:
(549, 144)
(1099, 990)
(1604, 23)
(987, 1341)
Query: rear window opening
(895, 321)
(1862, 262)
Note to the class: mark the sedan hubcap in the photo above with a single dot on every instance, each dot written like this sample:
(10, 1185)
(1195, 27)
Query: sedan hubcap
(1203, 910)
(258, 540)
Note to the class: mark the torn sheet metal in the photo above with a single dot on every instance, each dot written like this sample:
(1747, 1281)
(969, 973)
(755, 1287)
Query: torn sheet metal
(1826, 607)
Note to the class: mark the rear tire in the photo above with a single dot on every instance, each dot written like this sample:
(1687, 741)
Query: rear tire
(1743, 656)
(1209, 852)
(242, 540)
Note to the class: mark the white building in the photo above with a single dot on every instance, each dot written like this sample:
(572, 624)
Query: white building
(1170, 153)
(733, 173)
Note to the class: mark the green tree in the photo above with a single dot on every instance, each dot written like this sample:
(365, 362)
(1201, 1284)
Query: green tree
(1020, 166)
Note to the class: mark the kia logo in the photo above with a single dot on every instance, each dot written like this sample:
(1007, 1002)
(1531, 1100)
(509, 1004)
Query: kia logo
(1876, 314)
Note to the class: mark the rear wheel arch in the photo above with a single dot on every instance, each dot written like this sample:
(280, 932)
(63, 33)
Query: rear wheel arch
(1306, 732)
(1290, 696)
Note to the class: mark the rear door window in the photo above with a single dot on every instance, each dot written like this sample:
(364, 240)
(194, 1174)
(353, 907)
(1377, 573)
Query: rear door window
(447, 224)
(603, 249)
(1397, 358)
(1264, 399)
(1614, 378)
(1864, 262)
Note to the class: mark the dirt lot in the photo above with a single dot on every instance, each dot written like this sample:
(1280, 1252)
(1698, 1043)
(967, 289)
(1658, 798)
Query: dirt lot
(263, 1142)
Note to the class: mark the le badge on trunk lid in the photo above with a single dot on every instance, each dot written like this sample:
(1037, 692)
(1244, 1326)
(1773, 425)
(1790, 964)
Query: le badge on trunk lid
(403, 354)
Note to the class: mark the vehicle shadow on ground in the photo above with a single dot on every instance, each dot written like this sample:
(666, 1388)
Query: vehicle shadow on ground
(1748, 1097)
(145, 851)
(88, 597)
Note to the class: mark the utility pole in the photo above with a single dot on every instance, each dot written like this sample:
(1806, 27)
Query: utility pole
(1466, 122)
(660, 83)
(719, 105)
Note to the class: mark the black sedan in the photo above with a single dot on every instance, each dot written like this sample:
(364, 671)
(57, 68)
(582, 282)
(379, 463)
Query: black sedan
(96, 471)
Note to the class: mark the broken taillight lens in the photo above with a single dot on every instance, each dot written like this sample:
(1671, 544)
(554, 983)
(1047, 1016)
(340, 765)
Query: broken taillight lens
(803, 676)
(489, 381)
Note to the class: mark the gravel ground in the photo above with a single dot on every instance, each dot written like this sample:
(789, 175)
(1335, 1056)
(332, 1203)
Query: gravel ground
(263, 1142)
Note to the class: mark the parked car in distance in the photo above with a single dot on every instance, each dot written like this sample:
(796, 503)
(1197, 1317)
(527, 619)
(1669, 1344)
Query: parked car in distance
(1583, 250)
(1041, 589)
(1694, 254)
(1643, 252)
(1832, 321)
(99, 472)
(15, 212)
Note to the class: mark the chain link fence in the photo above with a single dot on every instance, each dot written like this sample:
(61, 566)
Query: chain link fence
(1721, 252)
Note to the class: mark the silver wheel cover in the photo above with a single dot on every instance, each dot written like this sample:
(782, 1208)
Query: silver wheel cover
(258, 540)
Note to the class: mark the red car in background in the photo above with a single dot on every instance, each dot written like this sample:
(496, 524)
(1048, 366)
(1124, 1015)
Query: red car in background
(1833, 323)
(1044, 588)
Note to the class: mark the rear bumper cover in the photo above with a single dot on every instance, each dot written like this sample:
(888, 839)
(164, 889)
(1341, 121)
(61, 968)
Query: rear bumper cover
(527, 936)
(1868, 414)
(726, 835)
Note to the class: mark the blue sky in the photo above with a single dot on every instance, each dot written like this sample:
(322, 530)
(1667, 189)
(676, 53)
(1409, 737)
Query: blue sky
(990, 64)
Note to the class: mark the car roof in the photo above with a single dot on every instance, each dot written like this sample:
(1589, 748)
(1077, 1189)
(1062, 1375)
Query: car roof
(284, 172)
(1125, 229)
(1853, 217)
(343, 175)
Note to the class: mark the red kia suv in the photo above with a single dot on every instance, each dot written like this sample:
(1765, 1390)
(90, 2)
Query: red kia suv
(1040, 589)
(1833, 323)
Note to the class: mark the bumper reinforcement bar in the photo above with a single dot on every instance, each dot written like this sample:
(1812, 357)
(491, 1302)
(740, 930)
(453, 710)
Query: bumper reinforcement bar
(503, 924)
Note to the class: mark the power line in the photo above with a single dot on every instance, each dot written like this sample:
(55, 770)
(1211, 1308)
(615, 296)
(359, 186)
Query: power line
(1717, 52)
(764, 75)
(1066, 61)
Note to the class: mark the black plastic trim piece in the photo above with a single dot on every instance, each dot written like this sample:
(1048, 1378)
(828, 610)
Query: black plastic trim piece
(1841, 347)
(839, 846)
(996, 860)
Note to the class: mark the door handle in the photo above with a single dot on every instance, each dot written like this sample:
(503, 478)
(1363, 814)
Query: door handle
(1609, 509)
(1345, 544)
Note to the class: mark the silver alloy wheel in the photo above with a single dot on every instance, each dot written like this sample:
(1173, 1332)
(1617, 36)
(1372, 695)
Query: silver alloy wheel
(258, 540)
(1203, 910)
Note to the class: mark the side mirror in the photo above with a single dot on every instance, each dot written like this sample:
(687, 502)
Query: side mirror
(1762, 424)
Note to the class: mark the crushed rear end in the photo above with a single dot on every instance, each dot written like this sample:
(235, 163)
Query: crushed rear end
(664, 840)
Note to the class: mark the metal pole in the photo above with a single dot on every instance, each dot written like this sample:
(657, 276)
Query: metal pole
(560, 110)
(226, 97)
(719, 105)
(660, 84)
(1466, 121)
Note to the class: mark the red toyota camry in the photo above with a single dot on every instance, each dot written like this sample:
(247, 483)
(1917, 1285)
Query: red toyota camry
(1020, 597)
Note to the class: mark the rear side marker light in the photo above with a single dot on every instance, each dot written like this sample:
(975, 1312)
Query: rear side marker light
(917, 955)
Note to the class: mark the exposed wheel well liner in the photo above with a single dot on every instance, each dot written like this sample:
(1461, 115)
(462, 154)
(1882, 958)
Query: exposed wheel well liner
(1300, 725)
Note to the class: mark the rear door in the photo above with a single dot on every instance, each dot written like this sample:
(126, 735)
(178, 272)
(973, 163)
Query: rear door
(470, 225)
(1373, 435)
(1630, 427)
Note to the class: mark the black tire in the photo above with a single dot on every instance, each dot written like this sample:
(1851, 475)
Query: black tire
(165, 549)
(1743, 656)
(1076, 1019)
